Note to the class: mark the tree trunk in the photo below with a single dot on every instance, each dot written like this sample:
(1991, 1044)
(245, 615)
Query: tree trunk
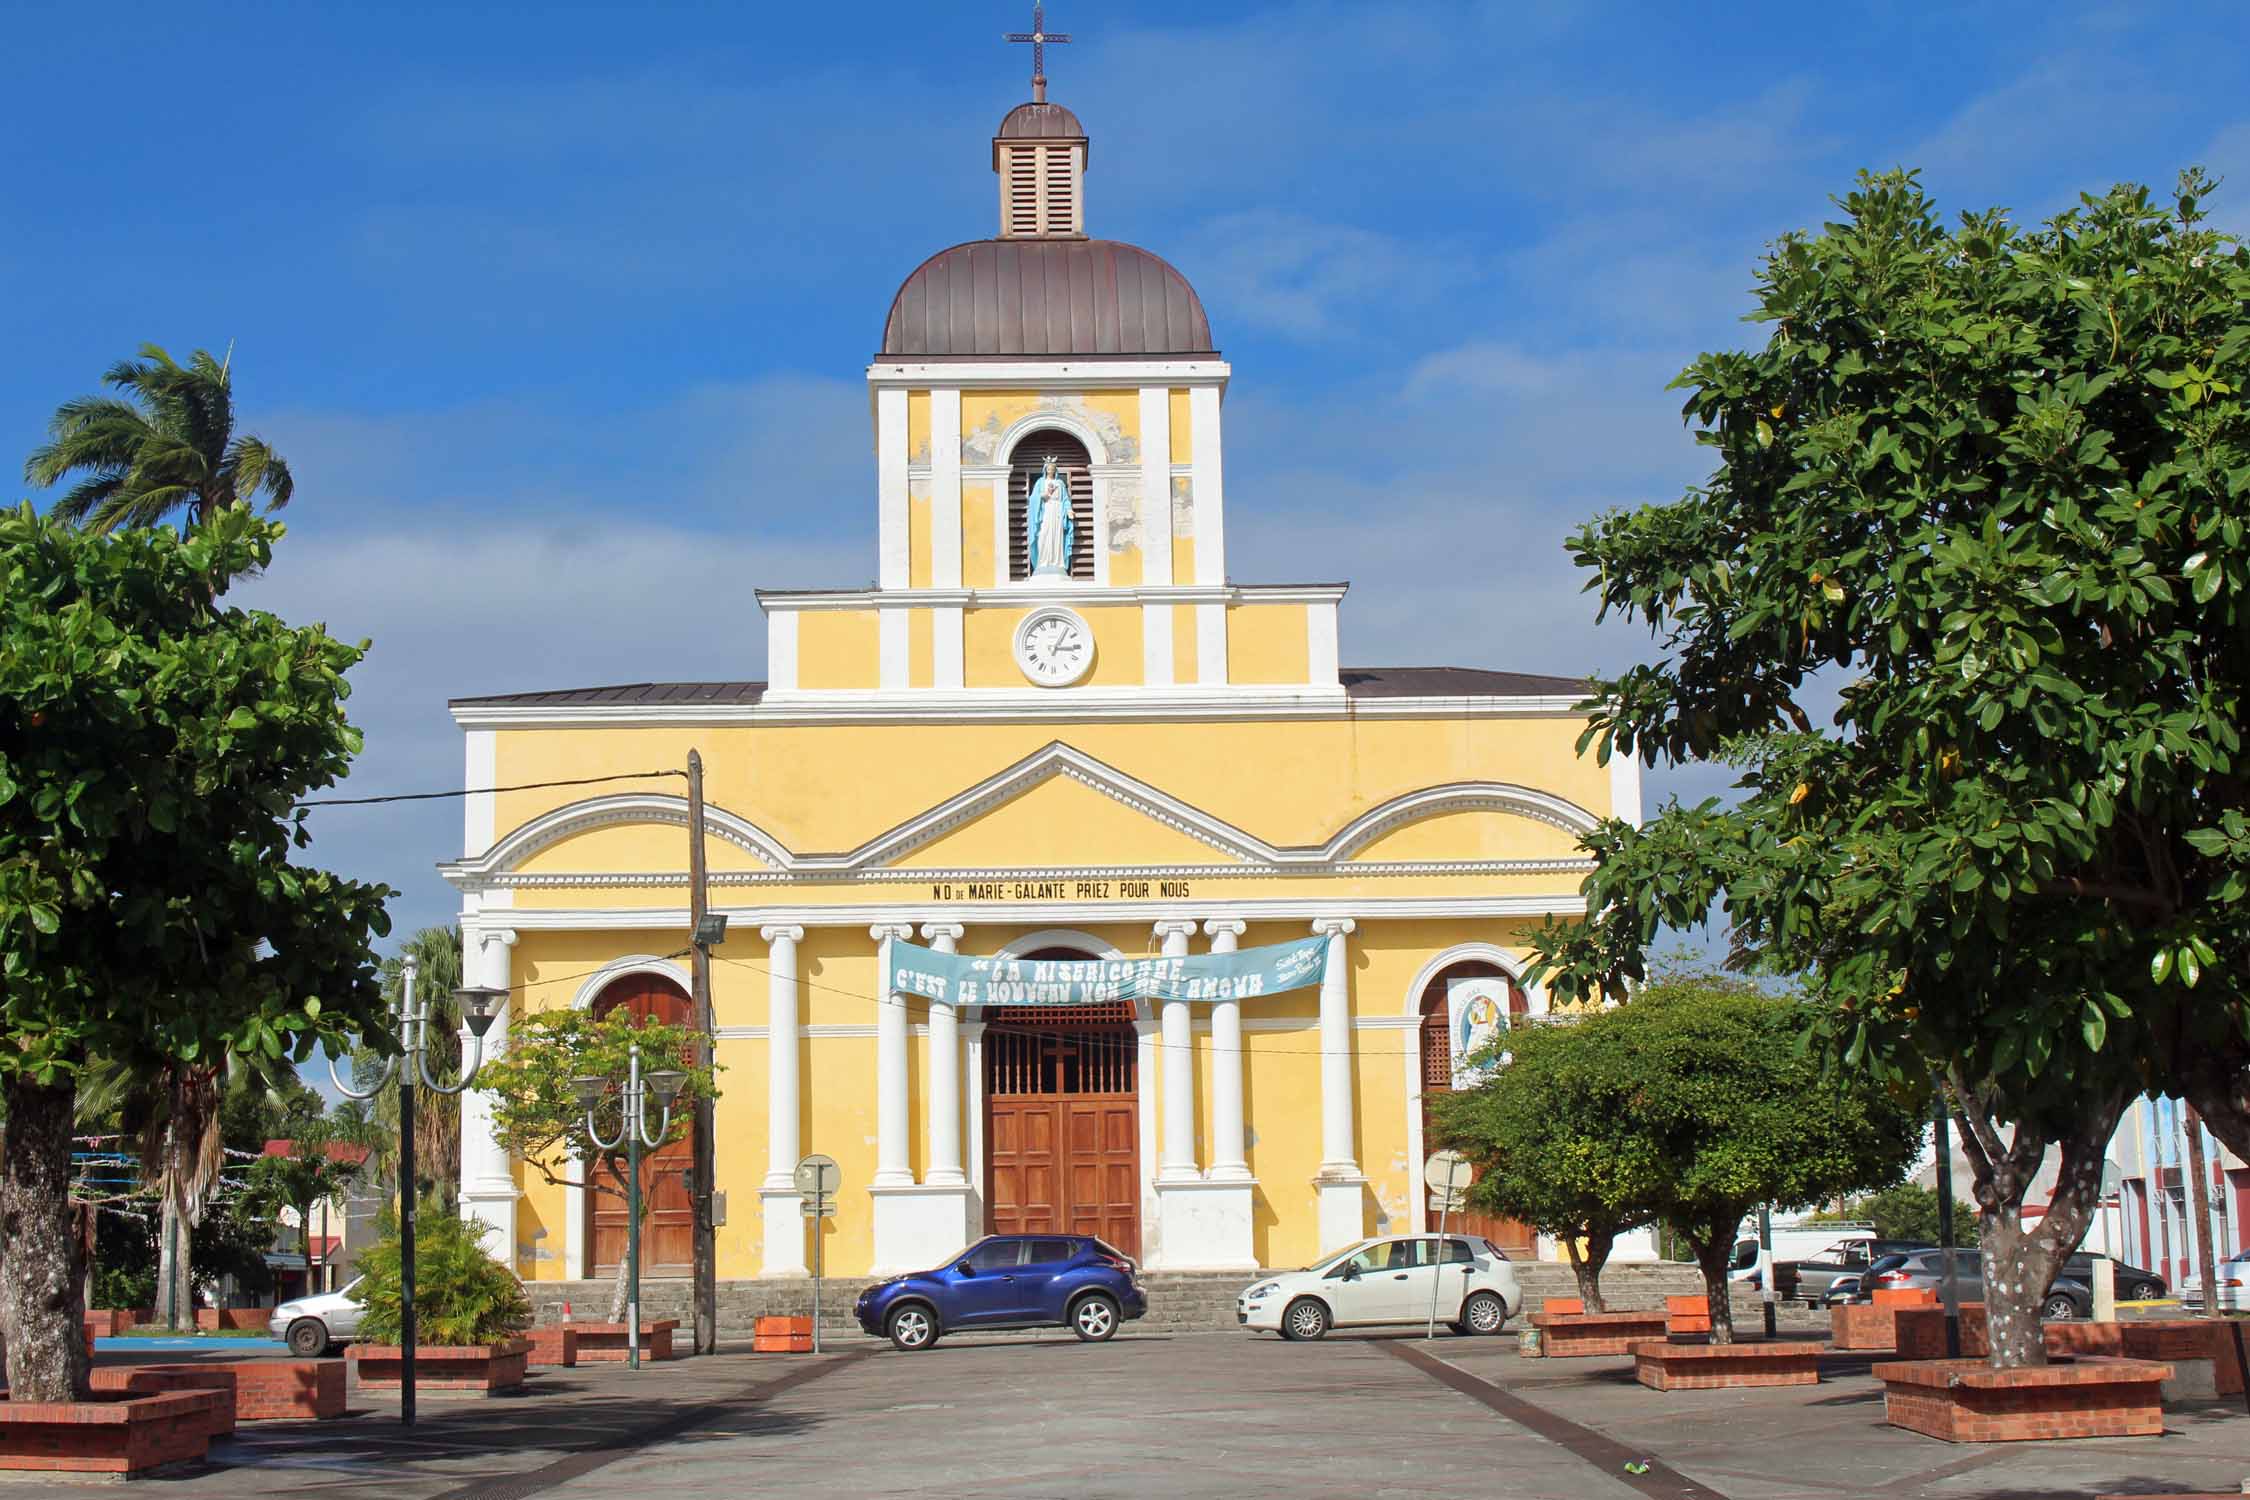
(168, 1235)
(1587, 1266)
(617, 1293)
(39, 1314)
(1711, 1258)
(2218, 1087)
(2199, 1204)
(2020, 1261)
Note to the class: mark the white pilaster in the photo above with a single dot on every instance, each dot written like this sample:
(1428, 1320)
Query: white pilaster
(1156, 489)
(1210, 644)
(1341, 1186)
(778, 1200)
(488, 1187)
(1156, 645)
(916, 1224)
(480, 809)
(1320, 645)
(947, 667)
(781, 650)
(945, 488)
(893, 1165)
(890, 486)
(893, 651)
(1210, 490)
(945, 1073)
(1179, 1070)
(1229, 1156)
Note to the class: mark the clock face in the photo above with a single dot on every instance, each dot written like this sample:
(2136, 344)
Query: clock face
(1053, 647)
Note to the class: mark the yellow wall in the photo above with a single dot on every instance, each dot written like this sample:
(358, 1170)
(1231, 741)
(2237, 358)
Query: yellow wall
(1266, 643)
(918, 426)
(1183, 643)
(920, 538)
(837, 648)
(1125, 566)
(1183, 449)
(979, 569)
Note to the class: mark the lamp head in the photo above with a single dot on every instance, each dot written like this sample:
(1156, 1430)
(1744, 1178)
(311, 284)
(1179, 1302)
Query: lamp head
(710, 931)
(589, 1090)
(480, 1005)
(666, 1085)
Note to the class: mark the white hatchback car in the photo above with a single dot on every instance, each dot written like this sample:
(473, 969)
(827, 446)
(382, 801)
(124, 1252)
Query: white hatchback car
(1391, 1280)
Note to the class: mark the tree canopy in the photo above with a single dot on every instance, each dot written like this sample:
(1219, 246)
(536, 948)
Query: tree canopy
(1990, 481)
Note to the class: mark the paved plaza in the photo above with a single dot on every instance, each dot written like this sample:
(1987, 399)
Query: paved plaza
(1188, 1414)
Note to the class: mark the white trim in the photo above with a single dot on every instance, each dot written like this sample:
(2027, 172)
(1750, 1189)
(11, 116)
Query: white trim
(1156, 494)
(861, 914)
(1048, 374)
(1210, 491)
(998, 479)
(781, 651)
(1211, 644)
(1625, 787)
(1156, 644)
(1059, 937)
(946, 650)
(498, 888)
(480, 809)
(945, 487)
(1320, 645)
(1075, 591)
(890, 486)
(1101, 528)
(617, 968)
(1043, 419)
(1511, 964)
(625, 807)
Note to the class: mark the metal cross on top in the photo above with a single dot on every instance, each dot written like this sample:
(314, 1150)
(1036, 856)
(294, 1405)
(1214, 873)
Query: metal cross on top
(1039, 36)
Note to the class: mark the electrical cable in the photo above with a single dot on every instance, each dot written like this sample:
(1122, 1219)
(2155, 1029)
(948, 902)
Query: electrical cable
(480, 791)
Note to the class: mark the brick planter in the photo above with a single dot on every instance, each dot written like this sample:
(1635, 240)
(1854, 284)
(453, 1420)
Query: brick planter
(237, 1319)
(1662, 1365)
(109, 1322)
(1921, 1331)
(556, 1344)
(123, 1436)
(260, 1390)
(782, 1336)
(113, 1382)
(1962, 1401)
(479, 1369)
(1583, 1335)
(1855, 1325)
(1687, 1315)
(604, 1343)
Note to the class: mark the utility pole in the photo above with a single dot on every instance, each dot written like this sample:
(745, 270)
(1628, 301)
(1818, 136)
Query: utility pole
(706, 1150)
(2199, 1200)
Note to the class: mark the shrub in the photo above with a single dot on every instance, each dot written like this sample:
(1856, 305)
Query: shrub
(462, 1296)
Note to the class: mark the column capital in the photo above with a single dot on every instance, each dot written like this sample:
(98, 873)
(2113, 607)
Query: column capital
(1335, 926)
(935, 930)
(781, 934)
(882, 930)
(1174, 927)
(1232, 926)
(504, 936)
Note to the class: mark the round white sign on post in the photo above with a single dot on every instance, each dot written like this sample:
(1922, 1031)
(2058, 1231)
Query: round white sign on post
(1447, 1173)
(819, 1176)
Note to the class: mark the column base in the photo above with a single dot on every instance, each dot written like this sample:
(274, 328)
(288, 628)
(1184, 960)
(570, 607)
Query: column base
(1343, 1209)
(917, 1225)
(494, 1206)
(1205, 1226)
(785, 1233)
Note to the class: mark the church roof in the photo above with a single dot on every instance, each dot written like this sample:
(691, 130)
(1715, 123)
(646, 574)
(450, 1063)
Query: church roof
(1018, 297)
(1040, 120)
(1359, 682)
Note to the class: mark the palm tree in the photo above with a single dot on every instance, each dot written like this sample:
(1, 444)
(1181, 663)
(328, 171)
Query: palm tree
(168, 444)
(437, 1117)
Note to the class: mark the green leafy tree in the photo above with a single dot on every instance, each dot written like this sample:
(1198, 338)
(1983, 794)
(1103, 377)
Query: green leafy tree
(1991, 482)
(165, 445)
(152, 744)
(313, 1167)
(536, 1113)
(462, 1296)
(1549, 1146)
(1906, 1212)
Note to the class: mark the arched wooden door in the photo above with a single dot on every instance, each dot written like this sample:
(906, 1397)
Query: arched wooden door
(1437, 1078)
(1062, 1121)
(668, 1214)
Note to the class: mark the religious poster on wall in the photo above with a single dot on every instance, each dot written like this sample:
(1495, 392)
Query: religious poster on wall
(1476, 1011)
(960, 979)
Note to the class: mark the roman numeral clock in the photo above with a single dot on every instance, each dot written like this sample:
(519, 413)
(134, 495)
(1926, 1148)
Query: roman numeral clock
(1053, 646)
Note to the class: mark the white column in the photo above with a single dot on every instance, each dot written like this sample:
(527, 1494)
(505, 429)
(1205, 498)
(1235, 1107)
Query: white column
(893, 1166)
(1229, 1158)
(1179, 1070)
(488, 1186)
(1341, 1187)
(784, 1223)
(945, 1073)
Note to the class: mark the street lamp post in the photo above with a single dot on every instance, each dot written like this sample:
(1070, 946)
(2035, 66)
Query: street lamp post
(411, 1015)
(633, 1134)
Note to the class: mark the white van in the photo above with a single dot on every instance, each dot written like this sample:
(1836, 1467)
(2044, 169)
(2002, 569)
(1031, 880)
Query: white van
(1796, 1242)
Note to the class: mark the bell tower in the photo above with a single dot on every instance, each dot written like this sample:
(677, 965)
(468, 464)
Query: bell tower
(1040, 154)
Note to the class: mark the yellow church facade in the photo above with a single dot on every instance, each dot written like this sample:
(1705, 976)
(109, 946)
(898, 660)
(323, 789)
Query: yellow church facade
(1054, 728)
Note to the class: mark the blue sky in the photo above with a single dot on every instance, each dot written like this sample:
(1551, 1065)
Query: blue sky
(561, 312)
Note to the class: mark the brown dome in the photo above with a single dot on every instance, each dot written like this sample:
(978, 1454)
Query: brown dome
(1042, 121)
(1045, 296)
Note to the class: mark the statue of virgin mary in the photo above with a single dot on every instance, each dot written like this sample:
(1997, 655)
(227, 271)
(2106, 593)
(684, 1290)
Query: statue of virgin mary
(1049, 529)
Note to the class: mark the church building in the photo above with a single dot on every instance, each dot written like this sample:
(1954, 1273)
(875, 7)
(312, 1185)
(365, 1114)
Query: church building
(1055, 729)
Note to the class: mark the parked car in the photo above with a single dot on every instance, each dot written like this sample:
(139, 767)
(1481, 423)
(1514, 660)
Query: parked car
(1924, 1270)
(1072, 1281)
(2133, 1284)
(1846, 1259)
(1842, 1289)
(2234, 1285)
(1391, 1280)
(315, 1325)
(1793, 1242)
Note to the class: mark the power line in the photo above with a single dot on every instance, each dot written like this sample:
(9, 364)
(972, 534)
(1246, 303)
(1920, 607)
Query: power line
(480, 791)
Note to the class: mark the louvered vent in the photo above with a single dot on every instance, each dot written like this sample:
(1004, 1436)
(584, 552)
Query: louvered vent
(1039, 189)
(1072, 463)
(1059, 206)
(1020, 214)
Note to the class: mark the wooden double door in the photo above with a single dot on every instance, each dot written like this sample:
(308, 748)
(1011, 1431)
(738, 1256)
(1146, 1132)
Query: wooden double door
(1511, 1235)
(1062, 1124)
(667, 1211)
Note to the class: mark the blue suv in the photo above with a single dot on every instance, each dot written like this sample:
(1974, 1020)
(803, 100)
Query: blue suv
(1008, 1281)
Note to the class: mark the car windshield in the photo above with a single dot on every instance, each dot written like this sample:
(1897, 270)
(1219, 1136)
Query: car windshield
(1887, 1263)
(1344, 1254)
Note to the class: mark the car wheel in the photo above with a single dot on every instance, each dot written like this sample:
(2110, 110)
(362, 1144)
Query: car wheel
(2144, 1291)
(1484, 1313)
(912, 1327)
(2058, 1305)
(308, 1337)
(1304, 1318)
(1093, 1318)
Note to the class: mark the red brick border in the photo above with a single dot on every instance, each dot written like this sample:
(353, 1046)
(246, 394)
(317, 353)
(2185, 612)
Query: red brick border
(479, 1367)
(1964, 1401)
(604, 1343)
(1662, 1365)
(1586, 1335)
(1687, 1315)
(555, 1344)
(1855, 1325)
(782, 1336)
(106, 1437)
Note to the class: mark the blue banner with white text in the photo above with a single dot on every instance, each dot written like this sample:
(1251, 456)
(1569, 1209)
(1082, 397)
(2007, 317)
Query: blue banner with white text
(965, 980)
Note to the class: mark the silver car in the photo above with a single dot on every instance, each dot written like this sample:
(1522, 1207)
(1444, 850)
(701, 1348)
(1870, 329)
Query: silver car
(315, 1325)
